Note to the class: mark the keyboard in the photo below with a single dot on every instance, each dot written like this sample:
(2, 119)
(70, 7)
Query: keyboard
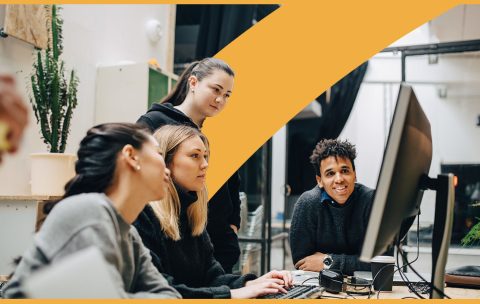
(295, 292)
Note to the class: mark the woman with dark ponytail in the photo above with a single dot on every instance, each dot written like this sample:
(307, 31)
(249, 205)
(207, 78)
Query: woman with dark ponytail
(201, 92)
(118, 171)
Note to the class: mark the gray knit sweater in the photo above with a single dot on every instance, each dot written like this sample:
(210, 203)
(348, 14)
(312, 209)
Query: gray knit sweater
(88, 220)
(338, 230)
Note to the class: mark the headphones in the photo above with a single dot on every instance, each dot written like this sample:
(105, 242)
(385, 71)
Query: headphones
(332, 281)
(358, 286)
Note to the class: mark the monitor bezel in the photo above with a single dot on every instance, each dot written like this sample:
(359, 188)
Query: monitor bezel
(386, 172)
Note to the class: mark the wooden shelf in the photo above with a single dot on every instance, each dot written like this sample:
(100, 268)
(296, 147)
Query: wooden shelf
(28, 198)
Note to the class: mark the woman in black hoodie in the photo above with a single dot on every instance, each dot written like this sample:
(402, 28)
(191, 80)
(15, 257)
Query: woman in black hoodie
(202, 91)
(174, 227)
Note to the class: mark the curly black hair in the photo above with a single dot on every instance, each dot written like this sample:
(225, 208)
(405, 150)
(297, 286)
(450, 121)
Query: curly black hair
(332, 147)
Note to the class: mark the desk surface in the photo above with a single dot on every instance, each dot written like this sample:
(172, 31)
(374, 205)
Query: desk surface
(399, 292)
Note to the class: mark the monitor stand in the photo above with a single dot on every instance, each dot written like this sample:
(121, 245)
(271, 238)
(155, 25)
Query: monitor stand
(442, 228)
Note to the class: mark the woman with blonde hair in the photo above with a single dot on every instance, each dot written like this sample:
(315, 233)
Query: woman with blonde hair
(173, 228)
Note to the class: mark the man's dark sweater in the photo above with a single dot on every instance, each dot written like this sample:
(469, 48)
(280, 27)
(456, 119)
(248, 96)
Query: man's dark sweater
(321, 225)
(187, 264)
(223, 207)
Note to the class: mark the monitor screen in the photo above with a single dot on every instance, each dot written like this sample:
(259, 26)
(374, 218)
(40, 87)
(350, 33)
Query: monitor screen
(407, 157)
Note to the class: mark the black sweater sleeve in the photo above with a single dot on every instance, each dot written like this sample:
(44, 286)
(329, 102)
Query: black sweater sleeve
(144, 225)
(217, 284)
(303, 227)
(348, 263)
(216, 276)
(214, 292)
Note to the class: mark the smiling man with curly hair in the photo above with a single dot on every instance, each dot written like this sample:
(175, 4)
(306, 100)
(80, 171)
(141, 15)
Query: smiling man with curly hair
(329, 221)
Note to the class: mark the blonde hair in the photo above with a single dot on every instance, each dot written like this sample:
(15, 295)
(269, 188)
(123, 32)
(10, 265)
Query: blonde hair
(167, 210)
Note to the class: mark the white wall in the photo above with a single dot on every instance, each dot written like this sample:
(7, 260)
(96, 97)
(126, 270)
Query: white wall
(93, 35)
(456, 138)
(455, 134)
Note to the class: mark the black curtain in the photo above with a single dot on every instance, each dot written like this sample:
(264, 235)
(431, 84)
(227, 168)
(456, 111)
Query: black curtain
(336, 111)
(303, 134)
(221, 24)
(302, 137)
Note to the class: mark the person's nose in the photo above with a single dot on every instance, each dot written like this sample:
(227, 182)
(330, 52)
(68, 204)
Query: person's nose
(220, 99)
(204, 164)
(338, 177)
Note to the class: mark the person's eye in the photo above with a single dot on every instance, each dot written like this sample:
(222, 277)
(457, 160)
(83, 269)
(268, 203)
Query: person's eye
(345, 171)
(195, 155)
(329, 173)
(227, 96)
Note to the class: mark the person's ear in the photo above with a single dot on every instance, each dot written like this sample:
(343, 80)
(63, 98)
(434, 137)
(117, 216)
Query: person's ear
(129, 154)
(319, 181)
(192, 82)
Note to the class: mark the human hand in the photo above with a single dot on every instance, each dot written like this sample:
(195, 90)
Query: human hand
(234, 228)
(312, 262)
(282, 277)
(13, 114)
(259, 289)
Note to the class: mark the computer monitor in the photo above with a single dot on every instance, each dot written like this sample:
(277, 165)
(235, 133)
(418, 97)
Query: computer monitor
(407, 157)
(403, 177)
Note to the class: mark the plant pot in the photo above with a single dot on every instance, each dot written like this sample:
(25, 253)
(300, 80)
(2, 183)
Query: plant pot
(50, 172)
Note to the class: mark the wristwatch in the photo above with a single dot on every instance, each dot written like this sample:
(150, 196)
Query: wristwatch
(327, 262)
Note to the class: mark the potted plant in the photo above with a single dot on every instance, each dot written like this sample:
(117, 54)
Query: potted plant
(53, 97)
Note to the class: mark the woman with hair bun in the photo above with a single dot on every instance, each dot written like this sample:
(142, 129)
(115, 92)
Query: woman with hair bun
(118, 171)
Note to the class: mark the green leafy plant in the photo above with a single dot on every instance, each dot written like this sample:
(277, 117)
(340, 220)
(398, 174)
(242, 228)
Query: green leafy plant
(473, 236)
(53, 95)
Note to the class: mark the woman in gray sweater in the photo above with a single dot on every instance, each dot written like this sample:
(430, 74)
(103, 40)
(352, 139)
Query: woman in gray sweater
(119, 170)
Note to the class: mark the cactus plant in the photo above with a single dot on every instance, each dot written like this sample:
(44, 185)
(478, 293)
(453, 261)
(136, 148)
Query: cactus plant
(53, 96)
